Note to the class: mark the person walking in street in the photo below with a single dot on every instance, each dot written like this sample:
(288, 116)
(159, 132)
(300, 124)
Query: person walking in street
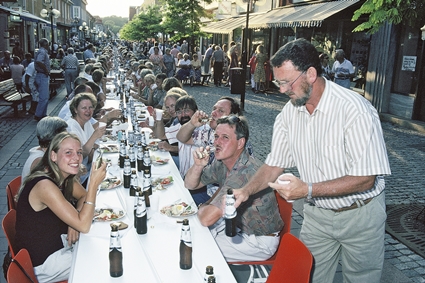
(217, 61)
(260, 72)
(42, 79)
(342, 69)
(71, 66)
(28, 82)
(334, 138)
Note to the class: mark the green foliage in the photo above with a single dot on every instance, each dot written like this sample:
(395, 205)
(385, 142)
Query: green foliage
(145, 25)
(114, 23)
(407, 12)
(182, 18)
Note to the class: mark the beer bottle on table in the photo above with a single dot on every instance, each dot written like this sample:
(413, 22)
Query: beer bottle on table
(123, 153)
(147, 186)
(133, 183)
(230, 214)
(211, 279)
(185, 246)
(132, 156)
(136, 200)
(127, 172)
(141, 216)
(139, 157)
(115, 253)
(124, 137)
(209, 272)
(147, 162)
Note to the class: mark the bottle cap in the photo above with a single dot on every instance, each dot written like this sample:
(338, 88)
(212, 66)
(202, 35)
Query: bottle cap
(185, 222)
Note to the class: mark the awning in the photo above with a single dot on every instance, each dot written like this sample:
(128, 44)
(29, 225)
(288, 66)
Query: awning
(224, 26)
(24, 15)
(311, 15)
(228, 25)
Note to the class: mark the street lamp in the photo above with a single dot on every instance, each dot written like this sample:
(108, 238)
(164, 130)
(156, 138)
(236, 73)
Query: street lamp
(84, 28)
(53, 13)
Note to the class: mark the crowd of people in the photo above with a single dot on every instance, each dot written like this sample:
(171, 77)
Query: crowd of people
(330, 134)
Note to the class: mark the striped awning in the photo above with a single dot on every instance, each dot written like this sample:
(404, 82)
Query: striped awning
(311, 15)
(25, 15)
(224, 26)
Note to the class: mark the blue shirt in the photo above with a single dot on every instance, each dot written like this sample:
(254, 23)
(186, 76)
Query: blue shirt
(43, 57)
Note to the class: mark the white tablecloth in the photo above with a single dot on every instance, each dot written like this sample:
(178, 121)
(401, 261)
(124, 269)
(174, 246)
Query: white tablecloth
(153, 257)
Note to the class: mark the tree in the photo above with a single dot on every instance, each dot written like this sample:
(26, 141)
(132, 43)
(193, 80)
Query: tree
(407, 12)
(189, 14)
(115, 23)
(145, 25)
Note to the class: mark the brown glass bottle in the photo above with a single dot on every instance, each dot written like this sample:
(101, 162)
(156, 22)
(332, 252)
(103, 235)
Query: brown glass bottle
(115, 253)
(230, 214)
(185, 246)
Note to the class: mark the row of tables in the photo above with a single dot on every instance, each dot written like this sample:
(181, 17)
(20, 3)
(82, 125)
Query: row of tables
(154, 256)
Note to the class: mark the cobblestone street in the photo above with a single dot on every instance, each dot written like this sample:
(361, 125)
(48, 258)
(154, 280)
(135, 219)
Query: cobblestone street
(406, 150)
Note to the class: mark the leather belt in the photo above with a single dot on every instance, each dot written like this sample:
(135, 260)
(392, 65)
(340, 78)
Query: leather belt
(357, 204)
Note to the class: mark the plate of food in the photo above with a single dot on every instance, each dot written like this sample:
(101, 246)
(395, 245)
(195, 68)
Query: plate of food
(158, 160)
(162, 182)
(109, 148)
(153, 145)
(178, 210)
(108, 214)
(108, 138)
(110, 183)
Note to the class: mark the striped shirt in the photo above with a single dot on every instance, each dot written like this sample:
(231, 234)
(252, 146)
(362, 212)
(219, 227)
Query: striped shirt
(342, 137)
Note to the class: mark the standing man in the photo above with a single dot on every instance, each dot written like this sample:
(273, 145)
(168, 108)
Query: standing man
(207, 58)
(71, 66)
(258, 220)
(342, 69)
(28, 80)
(42, 79)
(334, 138)
(184, 48)
(217, 61)
(89, 52)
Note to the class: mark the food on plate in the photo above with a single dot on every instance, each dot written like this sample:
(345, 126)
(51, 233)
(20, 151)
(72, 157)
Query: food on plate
(161, 183)
(107, 138)
(107, 214)
(109, 148)
(177, 209)
(110, 183)
(158, 161)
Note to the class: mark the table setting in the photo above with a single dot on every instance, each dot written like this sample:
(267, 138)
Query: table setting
(154, 256)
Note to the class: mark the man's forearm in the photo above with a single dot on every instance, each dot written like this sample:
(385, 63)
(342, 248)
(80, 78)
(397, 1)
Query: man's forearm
(185, 132)
(262, 177)
(192, 179)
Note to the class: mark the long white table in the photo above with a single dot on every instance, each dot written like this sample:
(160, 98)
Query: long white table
(153, 257)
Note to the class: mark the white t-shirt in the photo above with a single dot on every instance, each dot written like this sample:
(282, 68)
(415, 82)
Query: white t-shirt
(35, 153)
(345, 68)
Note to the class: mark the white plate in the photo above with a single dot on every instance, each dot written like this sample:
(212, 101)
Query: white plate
(180, 209)
(108, 214)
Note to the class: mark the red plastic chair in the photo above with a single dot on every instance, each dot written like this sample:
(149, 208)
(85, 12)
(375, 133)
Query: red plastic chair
(12, 190)
(293, 262)
(21, 269)
(8, 225)
(285, 210)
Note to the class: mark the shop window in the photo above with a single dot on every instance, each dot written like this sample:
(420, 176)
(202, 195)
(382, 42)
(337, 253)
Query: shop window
(406, 65)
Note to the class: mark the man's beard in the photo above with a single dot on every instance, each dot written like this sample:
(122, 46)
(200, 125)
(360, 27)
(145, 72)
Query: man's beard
(301, 101)
(184, 120)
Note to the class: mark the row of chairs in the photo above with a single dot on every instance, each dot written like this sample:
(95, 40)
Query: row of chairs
(292, 261)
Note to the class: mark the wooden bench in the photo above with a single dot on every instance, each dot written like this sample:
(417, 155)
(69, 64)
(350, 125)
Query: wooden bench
(9, 96)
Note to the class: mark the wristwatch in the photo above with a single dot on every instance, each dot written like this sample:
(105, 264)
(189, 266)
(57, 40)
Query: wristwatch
(310, 192)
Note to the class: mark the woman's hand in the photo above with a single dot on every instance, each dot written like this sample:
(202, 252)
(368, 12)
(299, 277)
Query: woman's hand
(99, 132)
(72, 236)
(97, 175)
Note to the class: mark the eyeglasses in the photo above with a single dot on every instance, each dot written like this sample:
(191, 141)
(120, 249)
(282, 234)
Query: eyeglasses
(280, 84)
(185, 111)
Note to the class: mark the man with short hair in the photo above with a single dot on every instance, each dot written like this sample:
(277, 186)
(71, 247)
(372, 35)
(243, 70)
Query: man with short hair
(334, 138)
(342, 69)
(258, 221)
(71, 68)
(5, 63)
(42, 78)
(89, 52)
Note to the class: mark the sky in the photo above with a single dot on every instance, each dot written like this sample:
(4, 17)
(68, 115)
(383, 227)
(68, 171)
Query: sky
(104, 8)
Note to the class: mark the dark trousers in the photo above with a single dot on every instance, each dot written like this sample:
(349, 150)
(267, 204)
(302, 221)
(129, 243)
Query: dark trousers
(218, 72)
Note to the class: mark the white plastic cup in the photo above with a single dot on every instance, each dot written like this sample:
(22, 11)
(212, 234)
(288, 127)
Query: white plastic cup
(281, 182)
(151, 121)
(158, 113)
(102, 124)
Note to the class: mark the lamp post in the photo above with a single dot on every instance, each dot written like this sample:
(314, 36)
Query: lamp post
(84, 28)
(53, 13)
